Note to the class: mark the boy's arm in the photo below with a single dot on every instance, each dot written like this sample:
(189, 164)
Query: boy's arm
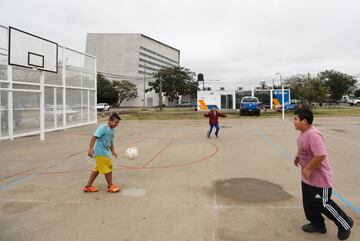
(207, 114)
(313, 164)
(112, 148)
(222, 115)
(91, 147)
(296, 160)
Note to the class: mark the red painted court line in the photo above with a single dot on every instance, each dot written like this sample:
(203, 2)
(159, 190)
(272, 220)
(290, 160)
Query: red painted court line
(144, 167)
(84, 171)
(127, 167)
(190, 163)
(174, 165)
(19, 173)
(64, 172)
(157, 154)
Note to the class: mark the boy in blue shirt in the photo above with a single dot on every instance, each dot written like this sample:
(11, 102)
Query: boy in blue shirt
(100, 146)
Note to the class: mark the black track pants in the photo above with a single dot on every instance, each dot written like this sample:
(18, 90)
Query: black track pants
(318, 201)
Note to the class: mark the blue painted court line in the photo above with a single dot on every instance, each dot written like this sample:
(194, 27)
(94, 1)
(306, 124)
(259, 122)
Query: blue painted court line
(276, 146)
(17, 181)
(354, 208)
(291, 158)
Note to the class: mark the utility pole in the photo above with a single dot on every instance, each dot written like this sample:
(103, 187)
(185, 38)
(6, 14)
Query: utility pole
(282, 96)
(144, 88)
(160, 94)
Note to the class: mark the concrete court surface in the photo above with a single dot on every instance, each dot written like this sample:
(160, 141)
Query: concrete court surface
(183, 186)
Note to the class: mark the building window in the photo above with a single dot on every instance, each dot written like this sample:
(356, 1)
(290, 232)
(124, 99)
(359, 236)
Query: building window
(147, 73)
(147, 67)
(159, 60)
(152, 63)
(162, 56)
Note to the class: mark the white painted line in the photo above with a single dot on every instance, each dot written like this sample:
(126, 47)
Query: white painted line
(215, 206)
(133, 192)
(42, 201)
(215, 215)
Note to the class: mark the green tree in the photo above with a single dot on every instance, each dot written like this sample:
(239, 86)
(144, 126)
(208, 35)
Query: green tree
(126, 90)
(338, 83)
(106, 91)
(295, 84)
(314, 90)
(176, 81)
(357, 93)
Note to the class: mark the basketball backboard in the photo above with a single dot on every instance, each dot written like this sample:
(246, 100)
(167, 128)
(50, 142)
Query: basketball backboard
(31, 51)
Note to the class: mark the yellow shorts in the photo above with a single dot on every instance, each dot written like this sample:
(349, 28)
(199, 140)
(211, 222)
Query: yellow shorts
(103, 164)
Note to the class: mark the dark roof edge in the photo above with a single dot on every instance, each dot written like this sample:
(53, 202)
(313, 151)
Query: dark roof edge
(159, 42)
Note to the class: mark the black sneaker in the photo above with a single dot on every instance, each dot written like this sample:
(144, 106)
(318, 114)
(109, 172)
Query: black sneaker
(309, 228)
(216, 136)
(350, 222)
(345, 234)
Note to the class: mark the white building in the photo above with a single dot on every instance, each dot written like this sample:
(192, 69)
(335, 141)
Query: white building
(133, 57)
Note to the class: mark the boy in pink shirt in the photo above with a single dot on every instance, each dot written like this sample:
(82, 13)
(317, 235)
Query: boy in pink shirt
(316, 175)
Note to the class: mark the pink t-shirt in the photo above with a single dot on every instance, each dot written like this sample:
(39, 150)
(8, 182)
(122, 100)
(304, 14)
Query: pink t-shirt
(311, 143)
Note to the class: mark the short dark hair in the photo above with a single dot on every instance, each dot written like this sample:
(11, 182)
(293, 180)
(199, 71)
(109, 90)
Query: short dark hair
(114, 116)
(305, 113)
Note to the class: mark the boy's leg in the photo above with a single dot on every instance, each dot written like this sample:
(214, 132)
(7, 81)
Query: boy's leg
(217, 129)
(313, 206)
(92, 178)
(108, 177)
(334, 212)
(210, 130)
(111, 186)
(89, 187)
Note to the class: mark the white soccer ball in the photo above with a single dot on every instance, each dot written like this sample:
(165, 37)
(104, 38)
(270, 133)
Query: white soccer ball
(131, 153)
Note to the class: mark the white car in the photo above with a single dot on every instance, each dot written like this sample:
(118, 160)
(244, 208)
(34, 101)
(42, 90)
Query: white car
(103, 107)
(354, 101)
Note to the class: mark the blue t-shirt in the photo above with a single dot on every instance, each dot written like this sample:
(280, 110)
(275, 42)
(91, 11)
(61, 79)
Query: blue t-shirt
(104, 139)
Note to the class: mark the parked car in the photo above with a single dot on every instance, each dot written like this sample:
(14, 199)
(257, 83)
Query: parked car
(249, 105)
(354, 101)
(103, 107)
(292, 106)
(184, 104)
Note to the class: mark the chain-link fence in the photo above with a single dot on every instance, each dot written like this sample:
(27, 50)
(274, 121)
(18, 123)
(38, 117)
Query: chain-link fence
(66, 99)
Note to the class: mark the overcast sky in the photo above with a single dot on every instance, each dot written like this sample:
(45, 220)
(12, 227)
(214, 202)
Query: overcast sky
(243, 41)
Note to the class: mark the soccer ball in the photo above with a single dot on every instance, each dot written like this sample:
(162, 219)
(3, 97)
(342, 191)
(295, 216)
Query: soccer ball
(131, 153)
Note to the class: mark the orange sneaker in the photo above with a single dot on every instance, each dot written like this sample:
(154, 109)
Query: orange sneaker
(90, 189)
(113, 188)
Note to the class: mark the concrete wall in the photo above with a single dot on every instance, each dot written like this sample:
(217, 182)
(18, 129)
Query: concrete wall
(116, 53)
(119, 54)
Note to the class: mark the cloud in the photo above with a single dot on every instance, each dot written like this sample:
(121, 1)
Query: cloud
(228, 40)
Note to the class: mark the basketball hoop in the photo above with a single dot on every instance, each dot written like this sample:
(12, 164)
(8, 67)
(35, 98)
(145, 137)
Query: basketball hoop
(33, 52)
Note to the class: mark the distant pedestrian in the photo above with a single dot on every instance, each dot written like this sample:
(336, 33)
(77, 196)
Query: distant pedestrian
(102, 147)
(300, 106)
(317, 179)
(214, 121)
